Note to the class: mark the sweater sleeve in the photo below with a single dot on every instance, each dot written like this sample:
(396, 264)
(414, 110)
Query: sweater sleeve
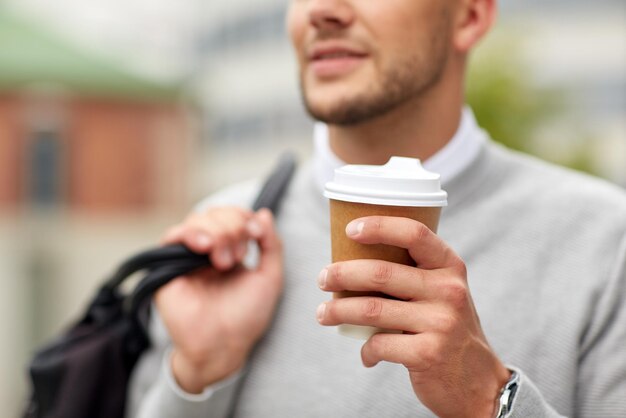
(153, 391)
(166, 399)
(602, 364)
(601, 378)
(529, 402)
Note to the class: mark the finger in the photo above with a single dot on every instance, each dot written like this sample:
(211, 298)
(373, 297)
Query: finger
(220, 243)
(254, 228)
(222, 257)
(173, 235)
(397, 280)
(232, 220)
(425, 247)
(271, 252)
(226, 229)
(241, 248)
(193, 238)
(197, 240)
(417, 352)
(239, 231)
(377, 312)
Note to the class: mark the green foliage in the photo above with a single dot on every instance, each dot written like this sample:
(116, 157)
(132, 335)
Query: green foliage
(513, 108)
(505, 101)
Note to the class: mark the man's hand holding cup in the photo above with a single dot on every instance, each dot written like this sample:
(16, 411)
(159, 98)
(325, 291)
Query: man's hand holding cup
(401, 287)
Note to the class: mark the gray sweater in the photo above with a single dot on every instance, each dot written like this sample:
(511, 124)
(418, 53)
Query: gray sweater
(546, 256)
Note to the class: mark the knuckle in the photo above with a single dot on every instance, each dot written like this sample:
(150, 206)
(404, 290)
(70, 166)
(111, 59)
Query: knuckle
(377, 346)
(238, 230)
(430, 355)
(233, 233)
(372, 308)
(336, 274)
(457, 264)
(383, 273)
(188, 233)
(446, 323)
(428, 359)
(375, 224)
(456, 293)
(418, 232)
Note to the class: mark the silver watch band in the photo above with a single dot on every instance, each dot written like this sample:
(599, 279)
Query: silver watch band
(507, 395)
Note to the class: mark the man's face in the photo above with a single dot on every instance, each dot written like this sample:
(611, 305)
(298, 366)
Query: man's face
(363, 58)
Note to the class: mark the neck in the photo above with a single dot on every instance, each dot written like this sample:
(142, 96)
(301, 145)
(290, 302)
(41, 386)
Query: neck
(417, 128)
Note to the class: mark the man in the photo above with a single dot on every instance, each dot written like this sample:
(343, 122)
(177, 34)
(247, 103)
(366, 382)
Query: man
(521, 293)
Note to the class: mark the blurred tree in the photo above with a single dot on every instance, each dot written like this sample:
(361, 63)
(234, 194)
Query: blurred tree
(513, 108)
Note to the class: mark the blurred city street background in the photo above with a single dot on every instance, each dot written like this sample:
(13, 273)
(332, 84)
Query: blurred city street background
(117, 115)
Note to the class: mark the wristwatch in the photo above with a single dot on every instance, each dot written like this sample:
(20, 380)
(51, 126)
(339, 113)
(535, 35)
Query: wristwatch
(507, 395)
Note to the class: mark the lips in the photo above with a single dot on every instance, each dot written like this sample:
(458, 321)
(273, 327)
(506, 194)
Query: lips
(335, 53)
(335, 60)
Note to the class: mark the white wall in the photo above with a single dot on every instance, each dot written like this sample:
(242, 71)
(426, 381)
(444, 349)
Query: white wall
(15, 317)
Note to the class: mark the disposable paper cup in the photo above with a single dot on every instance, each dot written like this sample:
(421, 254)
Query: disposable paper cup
(402, 188)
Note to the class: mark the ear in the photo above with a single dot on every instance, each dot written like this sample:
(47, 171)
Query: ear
(474, 19)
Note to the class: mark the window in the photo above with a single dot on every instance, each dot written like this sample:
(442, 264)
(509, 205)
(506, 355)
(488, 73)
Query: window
(45, 169)
(243, 31)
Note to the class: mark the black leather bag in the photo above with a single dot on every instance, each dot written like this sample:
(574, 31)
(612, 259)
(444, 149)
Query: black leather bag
(84, 373)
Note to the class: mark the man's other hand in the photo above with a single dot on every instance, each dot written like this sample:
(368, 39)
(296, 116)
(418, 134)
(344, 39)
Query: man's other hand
(215, 315)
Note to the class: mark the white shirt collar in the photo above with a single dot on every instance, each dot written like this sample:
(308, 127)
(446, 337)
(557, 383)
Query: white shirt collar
(449, 161)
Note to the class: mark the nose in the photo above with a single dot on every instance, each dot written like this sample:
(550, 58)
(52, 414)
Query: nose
(330, 15)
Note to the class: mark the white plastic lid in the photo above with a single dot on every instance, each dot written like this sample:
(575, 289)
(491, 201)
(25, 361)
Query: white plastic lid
(400, 182)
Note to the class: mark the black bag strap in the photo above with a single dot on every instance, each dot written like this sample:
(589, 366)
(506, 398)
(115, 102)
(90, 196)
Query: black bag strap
(272, 192)
(168, 262)
(268, 197)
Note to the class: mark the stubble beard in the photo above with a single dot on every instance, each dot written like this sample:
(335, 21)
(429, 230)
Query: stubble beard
(400, 83)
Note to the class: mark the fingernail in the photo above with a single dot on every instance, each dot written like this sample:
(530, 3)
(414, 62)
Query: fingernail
(225, 256)
(320, 312)
(321, 279)
(203, 240)
(355, 228)
(254, 228)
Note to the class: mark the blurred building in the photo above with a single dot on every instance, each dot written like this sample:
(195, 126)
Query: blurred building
(247, 78)
(82, 134)
(94, 164)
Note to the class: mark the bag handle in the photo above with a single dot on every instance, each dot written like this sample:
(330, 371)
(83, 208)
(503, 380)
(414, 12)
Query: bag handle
(269, 197)
(168, 262)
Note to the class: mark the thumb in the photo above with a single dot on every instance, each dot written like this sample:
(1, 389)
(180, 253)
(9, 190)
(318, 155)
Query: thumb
(271, 248)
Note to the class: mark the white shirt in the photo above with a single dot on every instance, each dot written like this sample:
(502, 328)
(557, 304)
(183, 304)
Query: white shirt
(449, 161)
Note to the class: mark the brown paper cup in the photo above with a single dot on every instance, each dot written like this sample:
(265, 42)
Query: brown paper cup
(400, 188)
(344, 248)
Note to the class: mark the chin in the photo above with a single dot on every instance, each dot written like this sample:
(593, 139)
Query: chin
(328, 105)
(339, 102)
(328, 111)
